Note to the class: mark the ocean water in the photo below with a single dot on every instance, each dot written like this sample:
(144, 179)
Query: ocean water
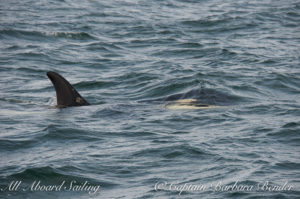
(128, 58)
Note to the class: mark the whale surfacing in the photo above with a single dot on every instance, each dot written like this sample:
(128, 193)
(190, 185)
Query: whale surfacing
(66, 94)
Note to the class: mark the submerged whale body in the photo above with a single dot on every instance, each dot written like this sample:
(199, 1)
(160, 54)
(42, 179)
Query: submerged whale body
(66, 94)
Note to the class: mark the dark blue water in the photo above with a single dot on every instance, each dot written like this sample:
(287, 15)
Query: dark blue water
(127, 58)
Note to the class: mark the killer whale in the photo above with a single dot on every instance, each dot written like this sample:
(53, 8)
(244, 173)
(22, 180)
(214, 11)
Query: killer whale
(66, 94)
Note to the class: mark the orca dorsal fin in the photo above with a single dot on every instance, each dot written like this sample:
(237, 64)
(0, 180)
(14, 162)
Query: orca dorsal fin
(66, 94)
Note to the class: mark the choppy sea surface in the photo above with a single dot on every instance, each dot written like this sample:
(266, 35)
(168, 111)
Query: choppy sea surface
(128, 58)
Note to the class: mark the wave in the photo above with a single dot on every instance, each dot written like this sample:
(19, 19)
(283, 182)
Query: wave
(280, 82)
(173, 152)
(34, 35)
(11, 145)
(49, 174)
(52, 132)
(288, 134)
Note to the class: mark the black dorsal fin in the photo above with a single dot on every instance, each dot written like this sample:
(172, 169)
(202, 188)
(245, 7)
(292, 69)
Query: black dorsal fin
(66, 94)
